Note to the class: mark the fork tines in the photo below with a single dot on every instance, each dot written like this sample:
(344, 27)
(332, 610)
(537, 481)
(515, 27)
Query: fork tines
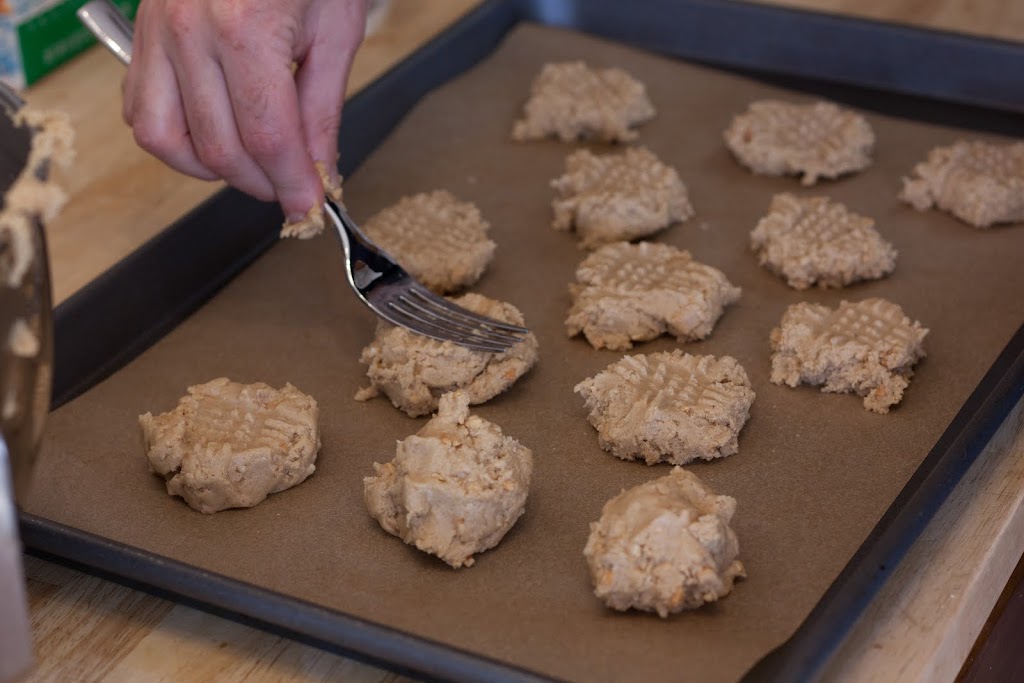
(449, 321)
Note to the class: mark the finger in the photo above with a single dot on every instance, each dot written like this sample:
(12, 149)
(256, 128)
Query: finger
(208, 111)
(322, 78)
(265, 102)
(154, 110)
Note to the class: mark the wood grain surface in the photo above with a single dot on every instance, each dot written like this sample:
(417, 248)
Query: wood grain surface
(921, 627)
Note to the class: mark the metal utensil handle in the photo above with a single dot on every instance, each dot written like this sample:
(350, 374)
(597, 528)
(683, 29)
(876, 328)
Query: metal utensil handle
(110, 26)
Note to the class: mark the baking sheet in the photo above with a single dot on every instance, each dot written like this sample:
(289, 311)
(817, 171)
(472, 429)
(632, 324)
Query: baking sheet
(814, 473)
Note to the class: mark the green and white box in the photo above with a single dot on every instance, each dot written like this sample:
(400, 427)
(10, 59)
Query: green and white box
(37, 36)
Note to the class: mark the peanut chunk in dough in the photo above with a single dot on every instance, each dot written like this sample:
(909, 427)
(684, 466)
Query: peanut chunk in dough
(454, 488)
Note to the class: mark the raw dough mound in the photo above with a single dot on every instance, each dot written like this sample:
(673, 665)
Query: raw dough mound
(571, 100)
(818, 140)
(868, 348)
(669, 407)
(664, 546)
(454, 488)
(637, 292)
(979, 183)
(440, 240)
(413, 370)
(815, 241)
(230, 445)
(617, 197)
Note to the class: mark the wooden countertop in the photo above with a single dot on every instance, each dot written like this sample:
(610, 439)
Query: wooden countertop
(921, 626)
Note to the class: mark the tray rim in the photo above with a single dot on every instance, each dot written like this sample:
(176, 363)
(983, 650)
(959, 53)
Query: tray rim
(472, 37)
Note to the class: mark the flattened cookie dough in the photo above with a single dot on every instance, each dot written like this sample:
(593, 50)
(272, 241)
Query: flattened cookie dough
(616, 197)
(817, 140)
(669, 407)
(230, 445)
(414, 371)
(637, 292)
(571, 100)
(815, 241)
(980, 183)
(440, 240)
(454, 488)
(664, 546)
(868, 348)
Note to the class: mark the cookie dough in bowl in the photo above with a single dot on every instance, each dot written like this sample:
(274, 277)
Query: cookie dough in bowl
(230, 445)
(454, 488)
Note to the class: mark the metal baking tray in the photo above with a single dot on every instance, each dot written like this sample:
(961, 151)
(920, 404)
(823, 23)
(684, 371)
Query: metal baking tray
(921, 75)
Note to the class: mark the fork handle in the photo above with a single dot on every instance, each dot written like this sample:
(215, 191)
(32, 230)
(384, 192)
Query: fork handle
(360, 249)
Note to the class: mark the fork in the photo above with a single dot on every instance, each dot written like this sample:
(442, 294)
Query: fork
(379, 282)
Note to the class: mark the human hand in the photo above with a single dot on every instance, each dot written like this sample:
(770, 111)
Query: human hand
(249, 91)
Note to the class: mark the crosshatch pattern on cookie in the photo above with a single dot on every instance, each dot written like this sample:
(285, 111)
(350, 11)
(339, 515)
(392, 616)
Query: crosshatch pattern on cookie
(669, 406)
(228, 445)
(613, 197)
(637, 292)
(572, 100)
(815, 241)
(440, 240)
(413, 371)
(868, 348)
(980, 183)
(816, 140)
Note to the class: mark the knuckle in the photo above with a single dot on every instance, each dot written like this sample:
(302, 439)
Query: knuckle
(217, 156)
(266, 143)
(151, 135)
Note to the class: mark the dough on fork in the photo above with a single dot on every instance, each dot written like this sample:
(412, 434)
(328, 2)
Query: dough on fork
(980, 183)
(615, 197)
(868, 348)
(664, 546)
(414, 371)
(637, 292)
(817, 140)
(669, 407)
(440, 240)
(454, 488)
(572, 100)
(815, 241)
(229, 445)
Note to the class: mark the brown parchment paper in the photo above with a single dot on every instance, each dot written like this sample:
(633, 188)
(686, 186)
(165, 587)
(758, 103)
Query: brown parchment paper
(813, 474)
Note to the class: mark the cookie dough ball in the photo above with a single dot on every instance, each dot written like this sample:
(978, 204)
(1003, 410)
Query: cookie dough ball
(868, 348)
(817, 140)
(637, 292)
(664, 546)
(815, 241)
(455, 488)
(618, 197)
(980, 183)
(413, 370)
(669, 407)
(440, 240)
(230, 445)
(572, 100)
